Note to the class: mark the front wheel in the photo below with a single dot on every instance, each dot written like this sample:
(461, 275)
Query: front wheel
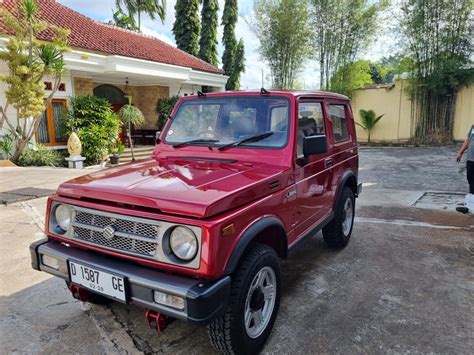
(338, 232)
(253, 304)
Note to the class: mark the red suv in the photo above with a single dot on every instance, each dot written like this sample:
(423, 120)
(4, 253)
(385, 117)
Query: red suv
(237, 180)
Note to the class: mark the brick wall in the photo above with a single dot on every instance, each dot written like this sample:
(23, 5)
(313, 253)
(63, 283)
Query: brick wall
(83, 86)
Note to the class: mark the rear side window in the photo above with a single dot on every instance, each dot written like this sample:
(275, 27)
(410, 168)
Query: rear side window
(337, 113)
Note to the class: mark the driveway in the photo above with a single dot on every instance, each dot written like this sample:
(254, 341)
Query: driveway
(404, 283)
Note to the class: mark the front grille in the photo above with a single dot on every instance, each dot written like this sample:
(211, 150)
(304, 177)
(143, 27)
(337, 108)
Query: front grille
(131, 236)
(120, 225)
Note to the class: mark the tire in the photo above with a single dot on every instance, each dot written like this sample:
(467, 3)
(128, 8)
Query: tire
(338, 232)
(258, 269)
(93, 298)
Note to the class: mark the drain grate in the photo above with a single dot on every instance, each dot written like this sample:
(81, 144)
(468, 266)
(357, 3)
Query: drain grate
(440, 200)
(23, 194)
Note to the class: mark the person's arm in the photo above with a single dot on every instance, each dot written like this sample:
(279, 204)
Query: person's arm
(462, 150)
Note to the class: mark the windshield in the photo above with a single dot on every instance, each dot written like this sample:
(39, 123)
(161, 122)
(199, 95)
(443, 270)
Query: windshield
(224, 120)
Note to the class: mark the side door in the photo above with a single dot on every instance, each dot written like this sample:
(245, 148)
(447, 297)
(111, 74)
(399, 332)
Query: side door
(312, 178)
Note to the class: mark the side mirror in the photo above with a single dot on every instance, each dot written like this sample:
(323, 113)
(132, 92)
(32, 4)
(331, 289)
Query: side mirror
(157, 137)
(315, 145)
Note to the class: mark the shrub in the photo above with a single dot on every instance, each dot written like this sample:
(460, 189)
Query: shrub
(7, 143)
(164, 108)
(39, 155)
(96, 125)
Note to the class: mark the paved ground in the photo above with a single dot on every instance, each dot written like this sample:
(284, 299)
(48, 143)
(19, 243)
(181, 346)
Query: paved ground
(404, 284)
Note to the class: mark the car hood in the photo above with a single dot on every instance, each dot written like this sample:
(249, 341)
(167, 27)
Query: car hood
(191, 187)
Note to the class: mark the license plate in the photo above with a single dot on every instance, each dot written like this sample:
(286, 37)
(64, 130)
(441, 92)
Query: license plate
(98, 280)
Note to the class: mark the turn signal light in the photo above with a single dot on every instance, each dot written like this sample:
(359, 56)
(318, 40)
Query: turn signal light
(50, 262)
(228, 230)
(169, 300)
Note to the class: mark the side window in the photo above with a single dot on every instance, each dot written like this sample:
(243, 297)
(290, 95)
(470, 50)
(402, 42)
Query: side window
(310, 122)
(338, 117)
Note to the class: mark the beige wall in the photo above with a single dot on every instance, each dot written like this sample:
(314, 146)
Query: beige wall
(394, 103)
(464, 116)
(83, 86)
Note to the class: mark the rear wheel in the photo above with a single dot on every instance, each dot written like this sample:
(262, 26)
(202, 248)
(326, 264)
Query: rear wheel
(253, 304)
(338, 232)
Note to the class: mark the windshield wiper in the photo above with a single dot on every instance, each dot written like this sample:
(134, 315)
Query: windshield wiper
(194, 141)
(255, 138)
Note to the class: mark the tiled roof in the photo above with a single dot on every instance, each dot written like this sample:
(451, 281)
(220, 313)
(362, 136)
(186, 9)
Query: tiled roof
(92, 35)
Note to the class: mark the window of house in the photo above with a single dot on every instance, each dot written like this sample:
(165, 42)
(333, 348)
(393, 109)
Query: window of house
(50, 131)
(337, 113)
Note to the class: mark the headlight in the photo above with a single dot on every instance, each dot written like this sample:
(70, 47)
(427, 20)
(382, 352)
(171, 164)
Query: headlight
(183, 243)
(62, 215)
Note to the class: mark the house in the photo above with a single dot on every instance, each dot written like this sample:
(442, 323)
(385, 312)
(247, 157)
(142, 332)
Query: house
(104, 58)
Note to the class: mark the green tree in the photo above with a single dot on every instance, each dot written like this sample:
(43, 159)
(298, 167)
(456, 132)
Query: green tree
(438, 37)
(152, 8)
(131, 116)
(164, 107)
(208, 39)
(95, 123)
(342, 30)
(186, 27)
(283, 30)
(29, 60)
(123, 20)
(368, 120)
(239, 66)
(351, 77)
(232, 65)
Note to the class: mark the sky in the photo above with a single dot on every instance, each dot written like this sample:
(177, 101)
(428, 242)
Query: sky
(101, 10)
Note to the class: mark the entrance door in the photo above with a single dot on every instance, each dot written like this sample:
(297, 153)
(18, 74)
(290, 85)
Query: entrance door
(313, 179)
(116, 98)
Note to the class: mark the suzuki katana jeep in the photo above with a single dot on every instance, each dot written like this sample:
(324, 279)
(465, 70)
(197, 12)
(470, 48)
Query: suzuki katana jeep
(197, 232)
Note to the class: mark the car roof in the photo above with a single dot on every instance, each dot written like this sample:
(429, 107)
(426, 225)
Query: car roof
(295, 93)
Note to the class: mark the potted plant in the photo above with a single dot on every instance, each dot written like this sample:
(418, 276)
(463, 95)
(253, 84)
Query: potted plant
(131, 116)
(116, 152)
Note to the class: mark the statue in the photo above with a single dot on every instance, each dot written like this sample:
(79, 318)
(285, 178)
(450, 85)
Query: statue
(74, 147)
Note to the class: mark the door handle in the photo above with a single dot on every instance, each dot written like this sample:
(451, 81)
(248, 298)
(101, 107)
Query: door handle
(329, 163)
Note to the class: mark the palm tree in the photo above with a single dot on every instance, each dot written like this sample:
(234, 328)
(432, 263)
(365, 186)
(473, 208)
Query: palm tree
(368, 121)
(150, 7)
(131, 116)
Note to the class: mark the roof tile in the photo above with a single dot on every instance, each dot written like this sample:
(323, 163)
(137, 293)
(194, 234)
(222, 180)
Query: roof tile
(92, 35)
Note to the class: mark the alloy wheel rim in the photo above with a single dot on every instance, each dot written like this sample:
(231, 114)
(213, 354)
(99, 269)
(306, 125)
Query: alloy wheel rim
(260, 302)
(347, 216)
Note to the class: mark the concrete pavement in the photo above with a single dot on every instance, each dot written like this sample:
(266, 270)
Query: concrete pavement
(403, 284)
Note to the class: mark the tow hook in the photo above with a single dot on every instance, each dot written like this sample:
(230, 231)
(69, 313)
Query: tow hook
(157, 321)
(79, 293)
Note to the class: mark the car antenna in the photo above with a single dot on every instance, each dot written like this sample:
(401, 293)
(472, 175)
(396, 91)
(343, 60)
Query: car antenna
(201, 94)
(264, 91)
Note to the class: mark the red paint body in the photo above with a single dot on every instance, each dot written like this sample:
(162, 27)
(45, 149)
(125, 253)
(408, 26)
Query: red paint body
(236, 188)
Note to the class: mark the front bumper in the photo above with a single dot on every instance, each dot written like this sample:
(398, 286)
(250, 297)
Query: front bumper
(204, 300)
